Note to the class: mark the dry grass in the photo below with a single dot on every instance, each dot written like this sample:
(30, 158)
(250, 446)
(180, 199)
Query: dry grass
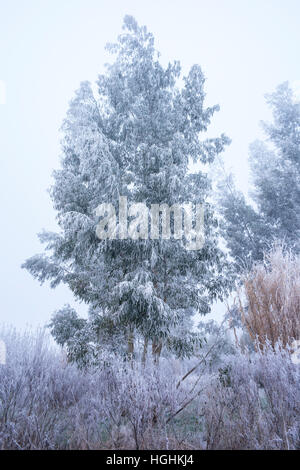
(272, 291)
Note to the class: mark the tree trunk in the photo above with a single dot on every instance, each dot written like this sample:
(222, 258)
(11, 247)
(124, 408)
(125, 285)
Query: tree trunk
(130, 343)
(156, 350)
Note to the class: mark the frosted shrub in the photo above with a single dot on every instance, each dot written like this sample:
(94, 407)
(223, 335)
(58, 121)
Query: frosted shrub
(140, 401)
(46, 403)
(253, 403)
(239, 402)
(36, 392)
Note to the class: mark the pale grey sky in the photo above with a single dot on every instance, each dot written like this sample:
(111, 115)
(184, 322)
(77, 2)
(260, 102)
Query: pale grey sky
(245, 47)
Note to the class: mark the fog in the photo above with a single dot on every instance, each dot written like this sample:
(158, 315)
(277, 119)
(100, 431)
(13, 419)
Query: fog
(246, 48)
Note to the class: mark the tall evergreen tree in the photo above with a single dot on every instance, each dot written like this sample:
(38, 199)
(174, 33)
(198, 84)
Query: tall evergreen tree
(274, 213)
(135, 138)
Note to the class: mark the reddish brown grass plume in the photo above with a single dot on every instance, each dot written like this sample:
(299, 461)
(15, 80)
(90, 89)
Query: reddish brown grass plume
(272, 290)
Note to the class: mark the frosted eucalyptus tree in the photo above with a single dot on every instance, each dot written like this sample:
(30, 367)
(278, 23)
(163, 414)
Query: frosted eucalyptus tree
(134, 137)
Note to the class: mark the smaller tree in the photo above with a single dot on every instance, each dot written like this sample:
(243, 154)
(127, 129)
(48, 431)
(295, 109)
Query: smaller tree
(274, 212)
(243, 228)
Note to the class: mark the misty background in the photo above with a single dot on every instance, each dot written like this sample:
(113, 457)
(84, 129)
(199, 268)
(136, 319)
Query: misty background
(47, 47)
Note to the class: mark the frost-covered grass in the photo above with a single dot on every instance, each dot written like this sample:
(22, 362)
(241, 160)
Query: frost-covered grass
(272, 293)
(250, 402)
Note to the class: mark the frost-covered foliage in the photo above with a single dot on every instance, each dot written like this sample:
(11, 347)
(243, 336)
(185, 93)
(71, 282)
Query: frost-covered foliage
(274, 213)
(47, 403)
(37, 393)
(242, 402)
(245, 231)
(272, 291)
(219, 341)
(85, 340)
(135, 137)
(253, 403)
